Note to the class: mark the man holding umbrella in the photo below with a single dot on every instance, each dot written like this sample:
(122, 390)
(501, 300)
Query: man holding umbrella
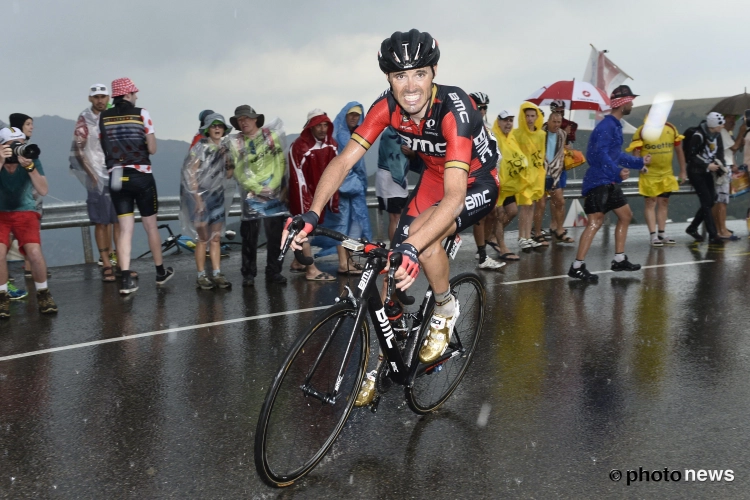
(608, 167)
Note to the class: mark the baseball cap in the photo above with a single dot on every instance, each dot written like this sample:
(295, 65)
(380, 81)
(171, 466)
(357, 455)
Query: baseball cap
(315, 112)
(557, 104)
(11, 134)
(622, 91)
(98, 89)
(503, 115)
(355, 109)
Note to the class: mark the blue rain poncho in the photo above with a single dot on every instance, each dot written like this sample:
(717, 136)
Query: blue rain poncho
(353, 218)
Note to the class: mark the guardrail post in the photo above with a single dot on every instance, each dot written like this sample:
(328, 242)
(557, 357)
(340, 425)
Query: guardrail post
(88, 251)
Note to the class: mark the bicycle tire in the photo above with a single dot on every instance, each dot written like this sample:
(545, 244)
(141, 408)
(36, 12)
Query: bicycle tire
(432, 387)
(295, 431)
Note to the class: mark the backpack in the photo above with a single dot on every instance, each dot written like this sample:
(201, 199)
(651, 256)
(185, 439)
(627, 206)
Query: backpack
(688, 133)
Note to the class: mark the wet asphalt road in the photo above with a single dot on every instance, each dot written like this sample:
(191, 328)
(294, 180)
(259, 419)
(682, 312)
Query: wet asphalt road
(648, 369)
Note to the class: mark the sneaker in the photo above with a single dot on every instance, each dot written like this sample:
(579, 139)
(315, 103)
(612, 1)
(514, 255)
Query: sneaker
(113, 258)
(15, 293)
(490, 263)
(248, 282)
(533, 243)
(694, 233)
(441, 331)
(524, 243)
(625, 265)
(716, 241)
(45, 302)
(221, 281)
(667, 240)
(161, 279)
(4, 305)
(204, 283)
(582, 274)
(276, 278)
(128, 284)
(27, 273)
(657, 242)
(367, 391)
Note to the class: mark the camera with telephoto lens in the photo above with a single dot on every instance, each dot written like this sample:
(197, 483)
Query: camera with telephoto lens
(17, 148)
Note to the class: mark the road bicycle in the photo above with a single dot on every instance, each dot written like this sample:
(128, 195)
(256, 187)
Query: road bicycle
(179, 242)
(313, 393)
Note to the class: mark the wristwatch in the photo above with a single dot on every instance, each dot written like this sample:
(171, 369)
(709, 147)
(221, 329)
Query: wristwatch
(31, 167)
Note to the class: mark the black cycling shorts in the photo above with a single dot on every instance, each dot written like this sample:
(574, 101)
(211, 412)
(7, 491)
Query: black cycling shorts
(392, 205)
(138, 189)
(480, 200)
(602, 199)
(509, 201)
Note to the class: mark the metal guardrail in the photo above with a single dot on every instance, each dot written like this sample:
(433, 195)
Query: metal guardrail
(74, 214)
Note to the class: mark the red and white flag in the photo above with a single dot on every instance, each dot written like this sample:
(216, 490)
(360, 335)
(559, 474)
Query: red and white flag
(602, 73)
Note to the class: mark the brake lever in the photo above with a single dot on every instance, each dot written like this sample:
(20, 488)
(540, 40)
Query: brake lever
(294, 228)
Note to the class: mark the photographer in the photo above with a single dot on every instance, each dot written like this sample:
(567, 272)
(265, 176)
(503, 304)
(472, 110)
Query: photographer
(20, 175)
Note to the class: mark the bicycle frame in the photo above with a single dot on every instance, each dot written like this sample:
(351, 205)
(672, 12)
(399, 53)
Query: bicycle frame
(369, 300)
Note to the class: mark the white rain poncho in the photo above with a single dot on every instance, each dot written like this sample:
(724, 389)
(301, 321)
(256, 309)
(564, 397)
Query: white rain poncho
(86, 154)
(206, 191)
(260, 169)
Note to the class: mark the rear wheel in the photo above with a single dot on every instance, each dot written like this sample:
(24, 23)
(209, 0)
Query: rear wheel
(297, 427)
(434, 383)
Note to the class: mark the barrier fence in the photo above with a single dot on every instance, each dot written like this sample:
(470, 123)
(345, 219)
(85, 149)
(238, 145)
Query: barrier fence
(74, 214)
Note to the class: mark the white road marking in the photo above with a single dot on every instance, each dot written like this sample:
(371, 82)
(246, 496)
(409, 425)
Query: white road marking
(158, 332)
(546, 278)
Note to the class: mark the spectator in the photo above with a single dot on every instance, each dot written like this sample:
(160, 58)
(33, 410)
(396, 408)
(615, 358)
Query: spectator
(309, 155)
(353, 218)
(601, 185)
(704, 157)
(556, 179)
(128, 140)
(482, 101)
(390, 179)
(18, 175)
(26, 124)
(722, 179)
(659, 182)
(201, 118)
(205, 196)
(569, 127)
(87, 162)
(531, 140)
(516, 186)
(257, 155)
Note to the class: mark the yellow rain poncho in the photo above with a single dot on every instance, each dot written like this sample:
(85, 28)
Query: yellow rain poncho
(533, 146)
(515, 175)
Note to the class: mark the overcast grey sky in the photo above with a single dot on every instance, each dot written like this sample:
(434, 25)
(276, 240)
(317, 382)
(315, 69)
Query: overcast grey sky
(285, 58)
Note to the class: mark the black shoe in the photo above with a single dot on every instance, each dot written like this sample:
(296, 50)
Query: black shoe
(161, 279)
(4, 305)
(694, 233)
(276, 278)
(248, 282)
(128, 285)
(625, 265)
(716, 241)
(582, 274)
(45, 302)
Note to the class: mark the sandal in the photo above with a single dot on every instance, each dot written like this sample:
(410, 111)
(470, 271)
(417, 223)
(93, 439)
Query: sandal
(321, 277)
(564, 238)
(494, 246)
(510, 256)
(355, 269)
(541, 240)
(108, 274)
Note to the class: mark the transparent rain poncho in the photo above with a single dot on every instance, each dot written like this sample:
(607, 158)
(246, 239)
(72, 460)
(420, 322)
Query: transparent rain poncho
(206, 190)
(86, 154)
(260, 168)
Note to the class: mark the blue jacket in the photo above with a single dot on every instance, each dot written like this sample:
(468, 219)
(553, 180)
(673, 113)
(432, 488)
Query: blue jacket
(605, 156)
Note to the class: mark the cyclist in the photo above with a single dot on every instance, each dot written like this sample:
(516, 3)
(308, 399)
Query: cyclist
(458, 186)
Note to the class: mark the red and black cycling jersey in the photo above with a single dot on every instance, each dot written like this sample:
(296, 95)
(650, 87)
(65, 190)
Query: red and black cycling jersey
(451, 134)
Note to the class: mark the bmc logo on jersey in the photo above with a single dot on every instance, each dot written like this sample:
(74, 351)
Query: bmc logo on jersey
(478, 199)
(424, 145)
(460, 107)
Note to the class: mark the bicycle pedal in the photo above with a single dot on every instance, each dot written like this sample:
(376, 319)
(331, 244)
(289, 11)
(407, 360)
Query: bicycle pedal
(374, 404)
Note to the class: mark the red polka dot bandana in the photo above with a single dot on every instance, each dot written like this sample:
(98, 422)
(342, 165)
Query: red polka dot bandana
(123, 86)
(620, 101)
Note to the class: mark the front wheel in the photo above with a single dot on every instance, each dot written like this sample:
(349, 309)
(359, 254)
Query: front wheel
(307, 404)
(434, 383)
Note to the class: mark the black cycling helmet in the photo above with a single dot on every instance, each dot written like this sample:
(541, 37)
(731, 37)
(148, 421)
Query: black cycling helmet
(480, 98)
(410, 50)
